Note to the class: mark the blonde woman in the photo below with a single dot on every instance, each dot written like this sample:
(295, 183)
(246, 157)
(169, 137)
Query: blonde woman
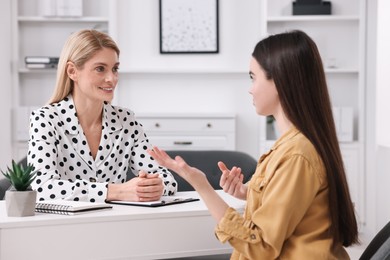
(80, 143)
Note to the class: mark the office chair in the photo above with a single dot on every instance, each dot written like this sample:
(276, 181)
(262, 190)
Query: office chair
(206, 161)
(379, 247)
(5, 184)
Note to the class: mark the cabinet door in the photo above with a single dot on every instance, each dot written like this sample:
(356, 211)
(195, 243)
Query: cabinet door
(351, 160)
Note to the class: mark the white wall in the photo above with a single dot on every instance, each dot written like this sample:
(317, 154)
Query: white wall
(5, 86)
(382, 114)
(382, 75)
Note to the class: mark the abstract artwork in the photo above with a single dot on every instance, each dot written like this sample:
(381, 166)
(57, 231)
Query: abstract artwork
(189, 26)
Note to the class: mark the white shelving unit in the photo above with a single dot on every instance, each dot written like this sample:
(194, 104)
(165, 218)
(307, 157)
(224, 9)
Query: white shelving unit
(37, 35)
(340, 38)
(30, 29)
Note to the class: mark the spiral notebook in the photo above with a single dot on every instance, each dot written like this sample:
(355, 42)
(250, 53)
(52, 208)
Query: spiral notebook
(68, 207)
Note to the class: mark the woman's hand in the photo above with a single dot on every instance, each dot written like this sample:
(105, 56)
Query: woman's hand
(195, 177)
(232, 181)
(145, 187)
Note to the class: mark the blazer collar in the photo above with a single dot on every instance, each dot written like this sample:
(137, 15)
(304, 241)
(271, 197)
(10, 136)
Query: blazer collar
(70, 121)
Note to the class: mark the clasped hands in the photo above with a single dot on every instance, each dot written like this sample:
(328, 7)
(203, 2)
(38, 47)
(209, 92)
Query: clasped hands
(145, 187)
(231, 180)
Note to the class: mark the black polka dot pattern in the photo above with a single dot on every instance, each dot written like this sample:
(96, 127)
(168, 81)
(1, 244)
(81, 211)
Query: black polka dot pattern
(59, 151)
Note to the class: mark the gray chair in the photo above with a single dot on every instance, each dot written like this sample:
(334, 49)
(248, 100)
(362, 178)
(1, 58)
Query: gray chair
(205, 160)
(5, 184)
(379, 247)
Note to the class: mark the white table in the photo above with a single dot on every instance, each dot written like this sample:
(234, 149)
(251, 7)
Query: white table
(126, 232)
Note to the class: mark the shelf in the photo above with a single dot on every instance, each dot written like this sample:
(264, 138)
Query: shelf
(341, 71)
(27, 71)
(318, 18)
(183, 71)
(152, 71)
(62, 19)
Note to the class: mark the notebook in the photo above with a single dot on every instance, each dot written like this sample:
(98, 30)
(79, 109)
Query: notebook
(165, 201)
(68, 207)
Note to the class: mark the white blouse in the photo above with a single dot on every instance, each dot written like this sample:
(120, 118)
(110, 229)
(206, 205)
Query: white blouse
(58, 149)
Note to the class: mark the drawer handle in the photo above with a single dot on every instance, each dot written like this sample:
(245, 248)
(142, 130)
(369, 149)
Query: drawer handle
(209, 125)
(157, 125)
(182, 143)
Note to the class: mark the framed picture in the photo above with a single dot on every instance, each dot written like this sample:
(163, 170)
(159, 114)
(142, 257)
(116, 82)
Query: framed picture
(189, 26)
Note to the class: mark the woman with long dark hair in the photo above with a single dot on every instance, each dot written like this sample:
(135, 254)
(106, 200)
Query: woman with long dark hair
(298, 202)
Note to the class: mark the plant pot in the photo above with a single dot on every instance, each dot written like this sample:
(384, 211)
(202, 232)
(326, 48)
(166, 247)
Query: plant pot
(20, 203)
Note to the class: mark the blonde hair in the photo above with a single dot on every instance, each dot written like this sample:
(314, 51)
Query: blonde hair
(79, 48)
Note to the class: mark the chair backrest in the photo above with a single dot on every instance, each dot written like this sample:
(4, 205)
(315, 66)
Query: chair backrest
(5, 184)
(379, 247)
(383, 252)
(206, 160)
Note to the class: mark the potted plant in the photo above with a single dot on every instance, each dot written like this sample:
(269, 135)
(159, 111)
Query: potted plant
(20, 199)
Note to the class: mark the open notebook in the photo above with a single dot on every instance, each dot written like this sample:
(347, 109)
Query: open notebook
(67, 207)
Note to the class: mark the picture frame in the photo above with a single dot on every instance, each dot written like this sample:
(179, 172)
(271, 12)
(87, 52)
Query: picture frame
(189, 26)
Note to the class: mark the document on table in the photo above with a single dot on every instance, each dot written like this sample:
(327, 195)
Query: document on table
(165, 201)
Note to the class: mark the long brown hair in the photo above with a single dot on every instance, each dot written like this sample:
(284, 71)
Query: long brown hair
(292, 60)
(79, 48)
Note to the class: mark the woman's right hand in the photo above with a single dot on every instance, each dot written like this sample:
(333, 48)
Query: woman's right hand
(232, 181)
(195, 177)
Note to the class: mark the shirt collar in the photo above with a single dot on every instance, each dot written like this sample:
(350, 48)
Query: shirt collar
(71, 125)
(291, 133)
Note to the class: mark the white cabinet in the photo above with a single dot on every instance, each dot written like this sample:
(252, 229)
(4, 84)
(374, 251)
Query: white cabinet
(340, 38)
(352, 156)
(190, 131)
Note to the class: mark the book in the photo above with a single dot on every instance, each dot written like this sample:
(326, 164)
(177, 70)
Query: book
(69, 207)
(165, 201)
(41, 59)
(41, 65)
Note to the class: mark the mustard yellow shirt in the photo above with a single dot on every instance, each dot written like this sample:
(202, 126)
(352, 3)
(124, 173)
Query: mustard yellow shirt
(287, 211)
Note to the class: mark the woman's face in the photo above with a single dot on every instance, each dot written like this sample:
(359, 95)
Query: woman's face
(264, 93)
(97, 79)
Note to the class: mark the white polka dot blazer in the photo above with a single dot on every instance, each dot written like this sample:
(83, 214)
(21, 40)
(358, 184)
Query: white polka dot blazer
(66, 169)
